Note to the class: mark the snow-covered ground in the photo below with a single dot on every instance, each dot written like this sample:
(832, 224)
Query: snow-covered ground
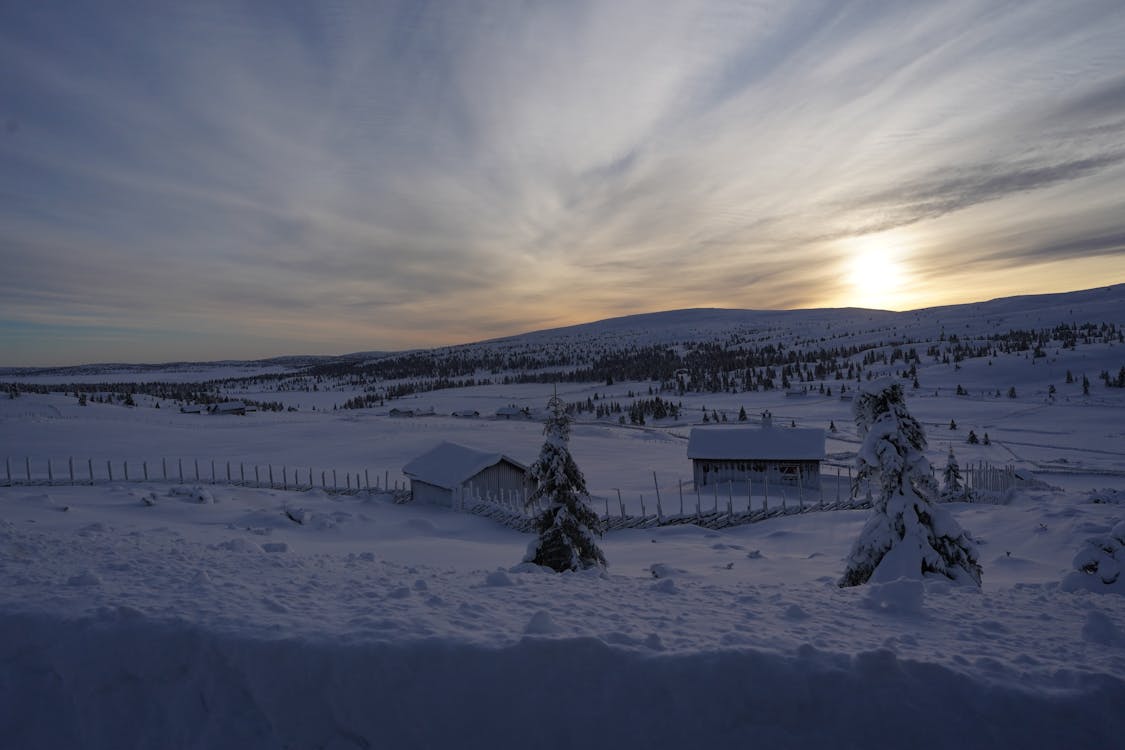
(147, 614)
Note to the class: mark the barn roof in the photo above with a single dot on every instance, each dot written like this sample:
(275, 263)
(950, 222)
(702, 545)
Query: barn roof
(449, 465)
(765, 443)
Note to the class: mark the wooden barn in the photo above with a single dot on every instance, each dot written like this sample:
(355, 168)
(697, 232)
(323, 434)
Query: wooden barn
(437, 474)
(779, 455)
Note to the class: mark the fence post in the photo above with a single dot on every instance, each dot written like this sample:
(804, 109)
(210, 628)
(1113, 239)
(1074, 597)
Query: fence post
(620, 503)
(126, 463)
(270, 467)
(212, 471)
(386, 480)
(348, 479)
(70, 465)
(285, 477)
(27, 465)
(164, 466)
(50, 474)
(715, 488)
(228, 472)
(335, 486)
(241, 472)
(323, 483)
(642, 507)
(366, 480)
(144, 468)
(180, 464)
(196, 469)
(681, 481)
(109, 470)
(90, 469)
(8, 469)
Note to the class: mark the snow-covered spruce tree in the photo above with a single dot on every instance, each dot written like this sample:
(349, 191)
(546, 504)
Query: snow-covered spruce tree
(908, 534)
(953, 484)
(567, 527)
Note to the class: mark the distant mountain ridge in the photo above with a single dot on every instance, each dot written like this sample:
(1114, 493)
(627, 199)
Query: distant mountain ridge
(664, 327)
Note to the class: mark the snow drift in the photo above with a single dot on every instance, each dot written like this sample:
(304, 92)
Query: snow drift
(122, 681)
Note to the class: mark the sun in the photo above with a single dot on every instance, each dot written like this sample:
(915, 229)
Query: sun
(877, 276)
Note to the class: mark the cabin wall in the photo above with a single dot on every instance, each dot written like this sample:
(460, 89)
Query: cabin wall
(430, 494)
(791, 473)
(501, 479)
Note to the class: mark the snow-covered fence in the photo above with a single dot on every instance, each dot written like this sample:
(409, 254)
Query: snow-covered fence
(51, 472)
(983, 479)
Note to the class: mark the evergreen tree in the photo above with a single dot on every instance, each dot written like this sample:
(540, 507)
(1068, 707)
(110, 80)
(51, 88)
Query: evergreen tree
(954, 485)
(953, 424)
(567, 526)
(742, 414)
(908, 534)
(973, 440)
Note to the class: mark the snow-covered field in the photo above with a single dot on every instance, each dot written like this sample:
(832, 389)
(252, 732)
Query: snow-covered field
(154, 614)
(159, 614)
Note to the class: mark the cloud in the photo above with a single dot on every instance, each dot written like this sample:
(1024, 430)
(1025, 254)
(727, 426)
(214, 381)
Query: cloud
(399, 174)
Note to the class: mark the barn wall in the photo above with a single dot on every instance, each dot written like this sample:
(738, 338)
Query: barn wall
(500, 479)
(431, 494)
(779, 472)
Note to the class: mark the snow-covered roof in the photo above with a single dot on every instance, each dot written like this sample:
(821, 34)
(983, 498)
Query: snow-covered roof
(449, 464)
(765, 443)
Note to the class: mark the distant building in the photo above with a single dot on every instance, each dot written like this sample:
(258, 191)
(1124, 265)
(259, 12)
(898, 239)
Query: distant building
(228, 407)
(426, 411)
(466, 413)
(437, 474)
(191, 409)
(512, 412)
(783, 455)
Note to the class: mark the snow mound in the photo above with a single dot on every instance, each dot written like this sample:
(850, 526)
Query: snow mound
(1100, 563)
(113, 682)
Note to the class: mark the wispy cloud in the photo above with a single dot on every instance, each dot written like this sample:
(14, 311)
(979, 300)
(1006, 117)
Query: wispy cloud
(376, 175)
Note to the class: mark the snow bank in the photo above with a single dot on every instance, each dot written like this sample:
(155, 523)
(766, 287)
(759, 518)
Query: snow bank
(119, 680)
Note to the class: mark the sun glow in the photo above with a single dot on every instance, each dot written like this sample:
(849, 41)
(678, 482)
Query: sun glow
(878, 278)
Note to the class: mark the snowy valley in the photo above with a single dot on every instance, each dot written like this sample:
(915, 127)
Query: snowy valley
(176, 578)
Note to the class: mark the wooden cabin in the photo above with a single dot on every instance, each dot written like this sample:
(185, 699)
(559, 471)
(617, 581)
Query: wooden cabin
(779, 455)
(438, 474)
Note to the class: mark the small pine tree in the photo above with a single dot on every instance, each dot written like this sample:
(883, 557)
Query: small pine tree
(986, 441)
(973, 439)
(952, 424)
(907, 534)
(567, 526)
(953, 484)
(832, 426)
(742, 414)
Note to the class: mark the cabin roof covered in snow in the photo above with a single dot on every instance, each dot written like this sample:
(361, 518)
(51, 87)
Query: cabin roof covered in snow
(764, 443)
(449, 465)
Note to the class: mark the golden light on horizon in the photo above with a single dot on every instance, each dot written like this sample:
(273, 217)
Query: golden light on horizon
(878, 277)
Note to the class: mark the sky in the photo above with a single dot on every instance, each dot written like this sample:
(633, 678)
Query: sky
(188, 181)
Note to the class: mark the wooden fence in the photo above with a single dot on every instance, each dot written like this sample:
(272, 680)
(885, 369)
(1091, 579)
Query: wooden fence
(47, 472)
(717, 506)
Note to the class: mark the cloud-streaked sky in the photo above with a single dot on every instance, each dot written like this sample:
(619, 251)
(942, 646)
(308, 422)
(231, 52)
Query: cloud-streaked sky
(199, 180)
